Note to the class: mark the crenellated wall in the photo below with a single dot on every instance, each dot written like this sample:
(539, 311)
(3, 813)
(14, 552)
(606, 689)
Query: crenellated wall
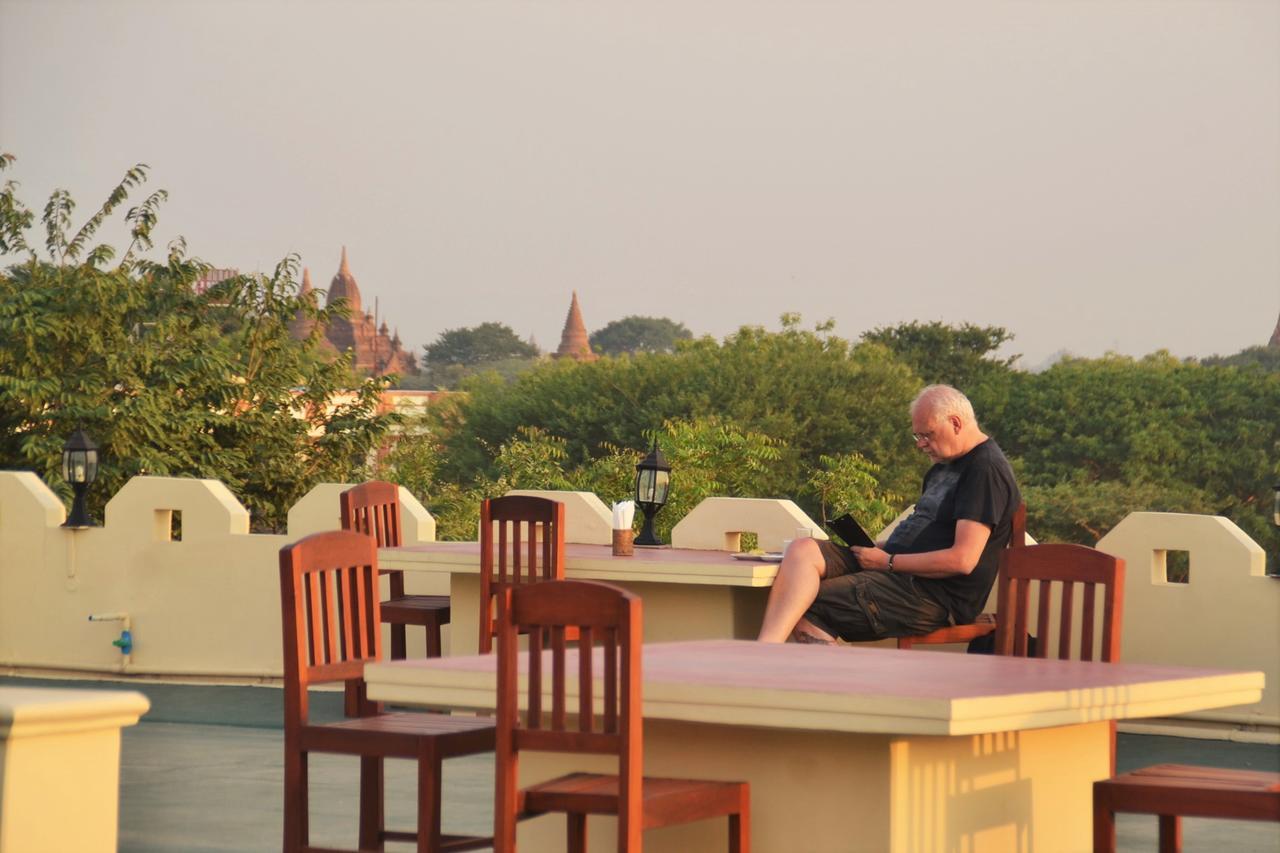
(1226, 613)
(207, 605)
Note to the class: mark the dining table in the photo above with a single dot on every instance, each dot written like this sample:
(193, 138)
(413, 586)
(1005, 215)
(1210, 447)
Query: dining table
(851, 748)
(689, 594)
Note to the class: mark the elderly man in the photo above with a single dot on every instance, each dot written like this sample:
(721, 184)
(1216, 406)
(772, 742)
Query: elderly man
(939, 563)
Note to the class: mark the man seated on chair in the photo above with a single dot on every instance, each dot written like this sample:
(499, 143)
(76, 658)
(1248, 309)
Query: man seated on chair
(937, 566)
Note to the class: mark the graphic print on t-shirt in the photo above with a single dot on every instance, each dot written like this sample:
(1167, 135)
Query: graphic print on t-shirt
(941, 488)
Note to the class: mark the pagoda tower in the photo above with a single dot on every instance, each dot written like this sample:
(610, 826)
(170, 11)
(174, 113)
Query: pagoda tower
(574, 342)
(373, 351)
(301, 325)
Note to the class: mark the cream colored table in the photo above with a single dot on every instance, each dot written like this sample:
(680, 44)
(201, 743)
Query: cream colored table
(688, 594)
(853, 749)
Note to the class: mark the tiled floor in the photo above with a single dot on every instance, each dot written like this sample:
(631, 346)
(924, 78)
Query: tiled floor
(202, 772)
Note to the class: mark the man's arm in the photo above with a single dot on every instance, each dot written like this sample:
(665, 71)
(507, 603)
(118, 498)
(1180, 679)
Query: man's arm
(959, 559)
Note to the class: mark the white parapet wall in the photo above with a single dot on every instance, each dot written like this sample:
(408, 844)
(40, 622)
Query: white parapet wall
(717, 524)
(587, 521)
(1226, 615)
(203, 603)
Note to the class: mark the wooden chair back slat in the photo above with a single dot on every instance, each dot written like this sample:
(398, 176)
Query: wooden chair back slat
(611, 710)
(1087, 621)
(1057, 569)
(521, 542)
(329, 612)
(585, 682)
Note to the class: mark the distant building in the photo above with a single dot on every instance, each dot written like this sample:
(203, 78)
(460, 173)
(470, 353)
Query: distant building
(211, 277)
(1275, 336)
(574, 342)
(375, 349)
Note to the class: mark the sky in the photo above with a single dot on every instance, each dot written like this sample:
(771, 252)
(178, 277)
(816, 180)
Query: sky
(1092, 175)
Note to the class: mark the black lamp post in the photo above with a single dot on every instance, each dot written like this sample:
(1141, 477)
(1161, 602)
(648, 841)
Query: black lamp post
(653, 476)
(79, 468)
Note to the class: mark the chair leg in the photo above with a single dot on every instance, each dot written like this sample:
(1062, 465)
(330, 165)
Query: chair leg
(1170, 833)
(428, 801)
(576, 827)
(295, 800)
(433, 639)
(740, 832)
(371, 816)
(398, 642)
(1104, 825)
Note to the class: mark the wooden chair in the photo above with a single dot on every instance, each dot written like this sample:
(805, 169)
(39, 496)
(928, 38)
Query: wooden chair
(612, 617)
(1049, 566)
(1055, 570)
(528, 548)
(374, 508)
(1173, 790)
(986, 622)
(329, 598)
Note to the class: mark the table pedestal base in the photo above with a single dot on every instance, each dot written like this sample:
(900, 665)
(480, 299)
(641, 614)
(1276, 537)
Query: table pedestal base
(830, 791)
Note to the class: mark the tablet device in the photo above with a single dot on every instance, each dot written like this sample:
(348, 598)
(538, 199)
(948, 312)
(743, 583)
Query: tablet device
(850, 531)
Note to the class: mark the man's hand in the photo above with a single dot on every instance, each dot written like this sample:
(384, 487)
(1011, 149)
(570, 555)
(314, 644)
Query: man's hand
(959, 559)
(875, 559)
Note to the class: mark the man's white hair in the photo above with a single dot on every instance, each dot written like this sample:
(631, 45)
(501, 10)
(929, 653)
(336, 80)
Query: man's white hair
(942, 401)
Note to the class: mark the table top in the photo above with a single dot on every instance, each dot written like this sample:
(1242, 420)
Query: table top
(596, 562)
(857, 689)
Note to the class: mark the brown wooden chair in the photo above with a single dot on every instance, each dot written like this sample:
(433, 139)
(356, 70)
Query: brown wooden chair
(610, 616)
(329, 598)
(1059, 567)
(1171, 791)
(1055, 570)
(986, 622)
(374, 508)
(521, 542)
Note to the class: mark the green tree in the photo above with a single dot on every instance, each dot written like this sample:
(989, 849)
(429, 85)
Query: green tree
(478, 344)
(489, 347)
(639, 334)
(961, 356)
(168, 381)
(1260, 358)
(813, 391)
(1152, 433)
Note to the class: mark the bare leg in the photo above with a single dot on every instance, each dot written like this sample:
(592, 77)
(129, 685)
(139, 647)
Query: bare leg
(807, 632)
(794, 589)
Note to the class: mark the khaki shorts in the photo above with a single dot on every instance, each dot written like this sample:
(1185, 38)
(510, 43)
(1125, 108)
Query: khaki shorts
(855, 605)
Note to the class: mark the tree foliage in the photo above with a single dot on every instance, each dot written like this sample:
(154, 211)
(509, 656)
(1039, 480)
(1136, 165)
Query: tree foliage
(489, 347)
(477, 345)
(639, 334)
(167, 381)
(813, 391)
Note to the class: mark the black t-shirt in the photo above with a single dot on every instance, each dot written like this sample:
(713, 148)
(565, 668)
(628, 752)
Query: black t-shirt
(978, 486)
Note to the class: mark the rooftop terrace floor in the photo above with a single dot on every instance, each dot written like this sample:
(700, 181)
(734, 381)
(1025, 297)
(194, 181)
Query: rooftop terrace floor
(202, 772)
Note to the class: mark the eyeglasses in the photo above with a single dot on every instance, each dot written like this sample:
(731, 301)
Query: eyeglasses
(924, 436)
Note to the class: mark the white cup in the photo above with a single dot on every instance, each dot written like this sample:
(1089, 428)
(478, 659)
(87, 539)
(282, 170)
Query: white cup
(804, 532)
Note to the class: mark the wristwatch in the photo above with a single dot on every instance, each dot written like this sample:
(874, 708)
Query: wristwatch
(890, 563)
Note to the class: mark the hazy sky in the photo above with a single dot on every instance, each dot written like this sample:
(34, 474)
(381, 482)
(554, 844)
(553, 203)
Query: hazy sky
(1091, 175)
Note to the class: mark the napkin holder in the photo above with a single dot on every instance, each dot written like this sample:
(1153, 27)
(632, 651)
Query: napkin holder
(624, 542)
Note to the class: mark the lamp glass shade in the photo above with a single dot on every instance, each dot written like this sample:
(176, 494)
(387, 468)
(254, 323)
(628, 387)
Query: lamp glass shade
(651, 486)
(1275, 510)
(79, 459)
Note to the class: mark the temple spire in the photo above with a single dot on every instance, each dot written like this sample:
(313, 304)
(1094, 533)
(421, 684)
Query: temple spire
(574, 342)
(344, 286)
(1275, 336)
